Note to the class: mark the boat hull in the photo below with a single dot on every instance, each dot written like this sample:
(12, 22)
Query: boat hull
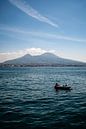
(62, 88)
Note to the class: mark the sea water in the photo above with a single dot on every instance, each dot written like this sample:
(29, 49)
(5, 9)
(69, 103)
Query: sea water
(28, 99)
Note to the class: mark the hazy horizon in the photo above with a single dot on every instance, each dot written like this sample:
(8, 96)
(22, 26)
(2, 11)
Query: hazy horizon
(34, 55)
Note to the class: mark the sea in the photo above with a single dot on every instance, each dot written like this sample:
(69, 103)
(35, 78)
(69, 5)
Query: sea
(28, 99)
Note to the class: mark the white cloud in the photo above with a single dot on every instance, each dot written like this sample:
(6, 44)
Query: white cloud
(26, 8)
(35, 51)
(10, 55)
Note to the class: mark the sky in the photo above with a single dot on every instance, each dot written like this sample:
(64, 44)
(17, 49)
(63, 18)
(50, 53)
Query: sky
(39, 26)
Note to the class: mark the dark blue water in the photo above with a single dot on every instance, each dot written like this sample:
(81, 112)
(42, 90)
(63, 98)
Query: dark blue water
(28, 99)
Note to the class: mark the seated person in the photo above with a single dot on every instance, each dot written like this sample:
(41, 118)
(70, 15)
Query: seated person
(56, 85)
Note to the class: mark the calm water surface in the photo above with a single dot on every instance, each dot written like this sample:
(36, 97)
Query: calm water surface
(28, 99)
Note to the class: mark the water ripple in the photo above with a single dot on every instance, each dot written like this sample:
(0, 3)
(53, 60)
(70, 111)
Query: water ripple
(28, 99)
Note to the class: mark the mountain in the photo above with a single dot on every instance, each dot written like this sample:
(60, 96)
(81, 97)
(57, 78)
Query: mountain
(46, 59)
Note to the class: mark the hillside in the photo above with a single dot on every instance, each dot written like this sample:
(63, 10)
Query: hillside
(44, 59)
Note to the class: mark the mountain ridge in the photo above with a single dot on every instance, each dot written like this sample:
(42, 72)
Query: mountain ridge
(44, 59)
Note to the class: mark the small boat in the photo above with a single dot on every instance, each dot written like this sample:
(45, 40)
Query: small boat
(64, 87)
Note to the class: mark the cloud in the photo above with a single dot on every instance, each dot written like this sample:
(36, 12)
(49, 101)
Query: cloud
(26, 8)
(38, 34)
(10, 55)
(35, 51)
(62, 37)
(13, 55)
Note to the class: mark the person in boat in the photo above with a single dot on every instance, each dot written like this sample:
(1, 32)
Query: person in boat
(65, 85)
(57, 85)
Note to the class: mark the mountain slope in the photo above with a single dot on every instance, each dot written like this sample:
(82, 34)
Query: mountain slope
(44, 59)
